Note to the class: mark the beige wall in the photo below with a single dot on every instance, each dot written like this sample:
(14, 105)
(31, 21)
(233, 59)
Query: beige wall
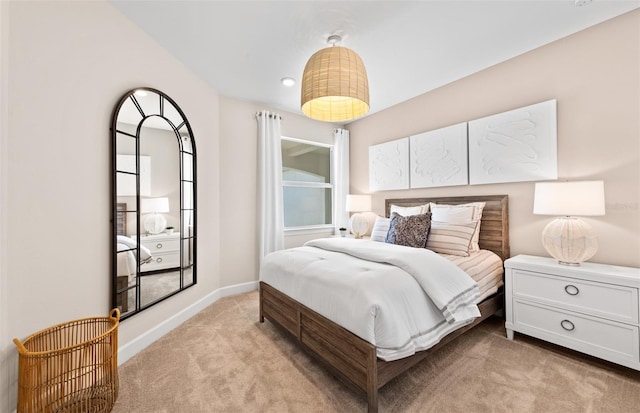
(6, 376)
(594, 75)
(66, 66)
(238, 169)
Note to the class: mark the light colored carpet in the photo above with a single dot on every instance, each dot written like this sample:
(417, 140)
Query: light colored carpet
(224, 360)
(156, 286)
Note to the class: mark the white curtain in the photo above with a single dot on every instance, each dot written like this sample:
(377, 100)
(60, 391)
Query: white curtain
(341, 177)
(271, 213)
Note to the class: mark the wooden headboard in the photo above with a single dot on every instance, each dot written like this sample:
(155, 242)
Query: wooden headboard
(494, 229)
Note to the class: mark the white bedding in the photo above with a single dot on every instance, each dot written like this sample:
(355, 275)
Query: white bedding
(126, 257)
(400, 299)
(484, 266)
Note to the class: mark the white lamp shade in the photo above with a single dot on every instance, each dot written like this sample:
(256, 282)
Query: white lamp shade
(582, 198)
(358, 203)
(157, 205)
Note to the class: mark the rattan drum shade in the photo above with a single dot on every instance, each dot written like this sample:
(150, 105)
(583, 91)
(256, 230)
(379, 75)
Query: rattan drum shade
(335, 86)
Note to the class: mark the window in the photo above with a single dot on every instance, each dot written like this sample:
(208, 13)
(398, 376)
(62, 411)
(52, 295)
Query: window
(307, 184)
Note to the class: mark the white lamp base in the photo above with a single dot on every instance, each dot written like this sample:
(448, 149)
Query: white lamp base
(154, 223)
(570, 240)
(359, 225)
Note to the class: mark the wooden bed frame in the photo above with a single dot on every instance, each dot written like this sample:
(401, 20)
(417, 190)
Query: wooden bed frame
(353, 360)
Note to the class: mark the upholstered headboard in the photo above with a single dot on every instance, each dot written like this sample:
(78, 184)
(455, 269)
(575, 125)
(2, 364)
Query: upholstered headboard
(494, 229)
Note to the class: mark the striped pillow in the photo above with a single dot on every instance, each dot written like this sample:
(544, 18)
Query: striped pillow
(380, 229)
(460, 214)
(454, 239)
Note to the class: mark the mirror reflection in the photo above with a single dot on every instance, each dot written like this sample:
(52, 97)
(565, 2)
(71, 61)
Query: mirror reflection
(154, 201)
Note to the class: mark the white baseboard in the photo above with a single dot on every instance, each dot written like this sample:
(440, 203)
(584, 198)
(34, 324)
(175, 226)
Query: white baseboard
(138, 344)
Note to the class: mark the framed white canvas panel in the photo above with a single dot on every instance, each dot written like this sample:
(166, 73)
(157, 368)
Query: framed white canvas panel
(439, 157)
(389, 165)
(519, 145)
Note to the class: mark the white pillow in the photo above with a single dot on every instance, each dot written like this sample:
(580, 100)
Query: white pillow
(453, 239)
(408, 211)
(380, 229)
(460, 214)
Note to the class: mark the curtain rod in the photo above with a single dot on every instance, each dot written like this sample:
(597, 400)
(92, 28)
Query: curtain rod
(271, 115)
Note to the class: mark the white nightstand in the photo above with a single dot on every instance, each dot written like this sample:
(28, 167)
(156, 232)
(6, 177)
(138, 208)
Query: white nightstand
(592, 308)
(165, 250)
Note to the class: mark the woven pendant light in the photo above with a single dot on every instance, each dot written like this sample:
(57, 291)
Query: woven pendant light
(334, 85)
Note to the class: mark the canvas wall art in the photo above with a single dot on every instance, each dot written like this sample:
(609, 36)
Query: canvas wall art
(439, 157)
(518, 145)
(389, 165)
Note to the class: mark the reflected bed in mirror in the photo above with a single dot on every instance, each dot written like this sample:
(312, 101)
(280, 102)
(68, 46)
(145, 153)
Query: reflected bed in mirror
(153, 201)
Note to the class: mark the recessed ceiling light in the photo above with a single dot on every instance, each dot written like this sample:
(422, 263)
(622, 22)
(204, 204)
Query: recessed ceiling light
(288, 81)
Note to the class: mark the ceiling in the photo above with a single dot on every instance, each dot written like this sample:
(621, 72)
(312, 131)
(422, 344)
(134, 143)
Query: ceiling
(244, 48)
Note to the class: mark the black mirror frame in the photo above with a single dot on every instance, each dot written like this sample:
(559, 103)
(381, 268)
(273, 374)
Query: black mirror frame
(115, 210)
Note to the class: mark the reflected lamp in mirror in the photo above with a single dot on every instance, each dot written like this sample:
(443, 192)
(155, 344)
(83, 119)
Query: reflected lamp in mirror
(358, 223)
(154, 221)
(567, 238)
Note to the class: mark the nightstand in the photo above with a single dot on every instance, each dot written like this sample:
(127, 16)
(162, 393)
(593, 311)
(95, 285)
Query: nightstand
(591, 308)
(165, 251)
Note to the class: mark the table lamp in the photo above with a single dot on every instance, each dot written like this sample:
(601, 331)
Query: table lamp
(154, 221)
(569, 239)
(358, 222)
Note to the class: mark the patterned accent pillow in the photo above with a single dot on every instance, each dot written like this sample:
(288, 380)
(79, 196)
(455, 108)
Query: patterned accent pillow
(380, 229)
(411, 231)
(454, 239)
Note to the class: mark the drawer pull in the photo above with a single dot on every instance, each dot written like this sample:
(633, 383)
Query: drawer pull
(159, 246)
(159, 260)
(571, 289)
(567, 325)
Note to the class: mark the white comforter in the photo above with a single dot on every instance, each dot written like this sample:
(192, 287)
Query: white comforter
(400, 299)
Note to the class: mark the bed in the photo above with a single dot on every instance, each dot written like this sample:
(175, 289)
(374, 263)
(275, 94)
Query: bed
(354, 360)
(127, 267)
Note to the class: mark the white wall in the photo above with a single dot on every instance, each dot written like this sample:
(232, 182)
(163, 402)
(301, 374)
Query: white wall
(162, 148)
(64, 67)
(238, 173)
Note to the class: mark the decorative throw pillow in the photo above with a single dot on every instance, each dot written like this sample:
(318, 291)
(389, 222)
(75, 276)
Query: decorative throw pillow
(411, 231)
(460, 214)
(453, 239)
(407, 211)
(380, 229)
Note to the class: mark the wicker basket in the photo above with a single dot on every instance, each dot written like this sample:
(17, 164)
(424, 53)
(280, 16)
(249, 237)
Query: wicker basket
(71, 367)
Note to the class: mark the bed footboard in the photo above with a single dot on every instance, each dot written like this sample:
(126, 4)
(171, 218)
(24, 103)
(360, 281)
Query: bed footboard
(348, 357)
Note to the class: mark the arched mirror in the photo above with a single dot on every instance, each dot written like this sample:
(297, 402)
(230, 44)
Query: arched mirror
(154, 201)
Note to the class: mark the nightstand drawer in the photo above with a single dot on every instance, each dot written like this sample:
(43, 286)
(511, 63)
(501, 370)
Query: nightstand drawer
(609, 301)
(161, 260)
(160, 245)
(612, 341)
